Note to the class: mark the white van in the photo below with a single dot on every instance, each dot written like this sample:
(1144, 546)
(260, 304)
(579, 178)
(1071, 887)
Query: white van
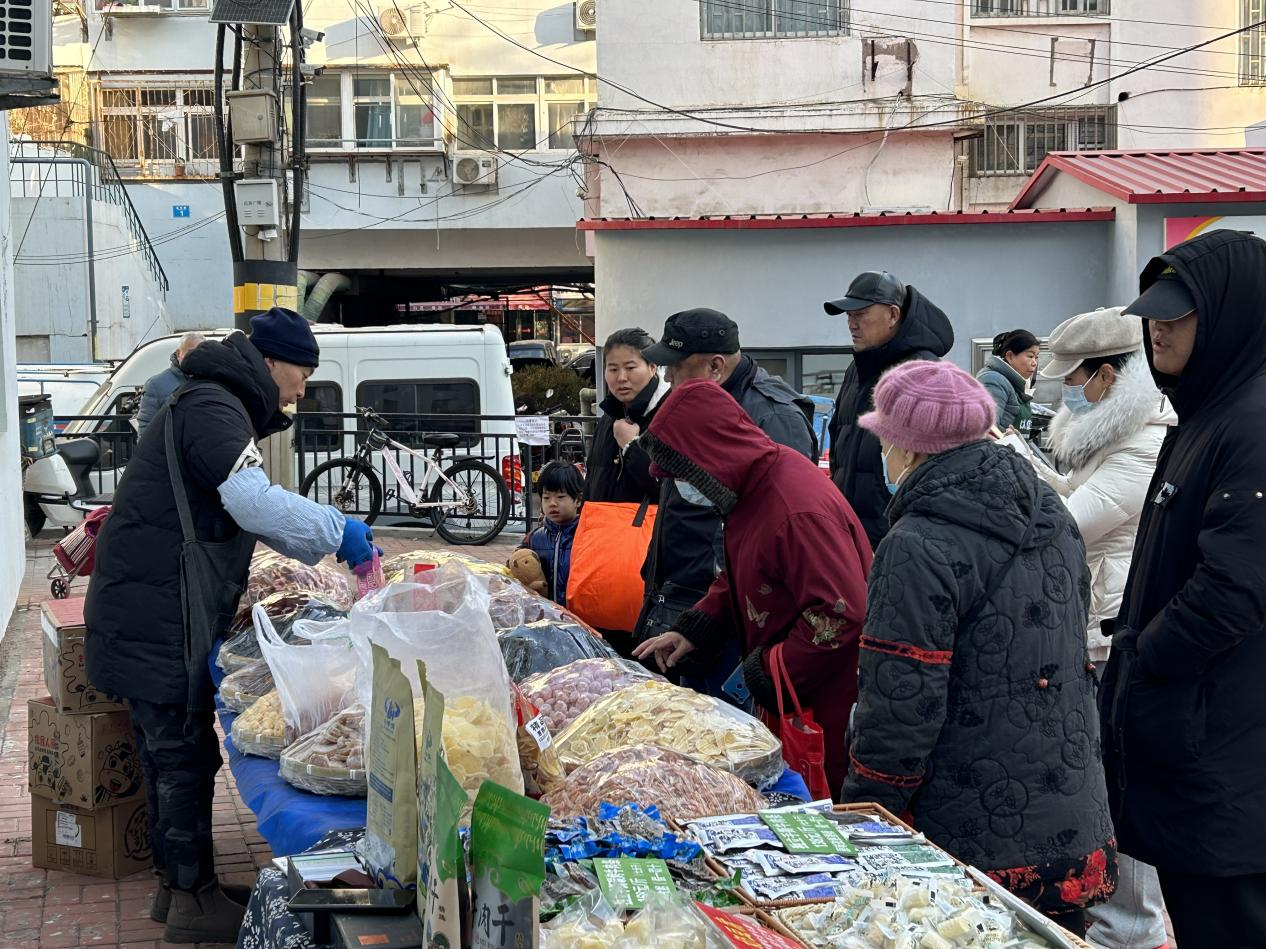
(409, 370)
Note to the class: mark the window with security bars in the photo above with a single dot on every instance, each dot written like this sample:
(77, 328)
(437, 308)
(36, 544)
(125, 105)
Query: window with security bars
(1015, 144)
(1040, 8)
(771, 19)
(147, 124)
(1253, 43)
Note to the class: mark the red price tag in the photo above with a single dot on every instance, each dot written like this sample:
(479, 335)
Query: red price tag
(744, 932)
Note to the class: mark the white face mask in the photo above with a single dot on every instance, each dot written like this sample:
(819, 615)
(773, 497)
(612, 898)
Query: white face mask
(691, 494)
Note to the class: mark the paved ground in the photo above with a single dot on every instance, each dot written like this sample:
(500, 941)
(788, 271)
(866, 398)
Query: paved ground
(50, 910)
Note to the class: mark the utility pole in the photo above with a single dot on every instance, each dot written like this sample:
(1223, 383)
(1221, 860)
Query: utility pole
(263, 237)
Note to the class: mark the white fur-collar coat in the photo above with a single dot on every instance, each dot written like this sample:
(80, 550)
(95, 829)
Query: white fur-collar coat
(1109, 454)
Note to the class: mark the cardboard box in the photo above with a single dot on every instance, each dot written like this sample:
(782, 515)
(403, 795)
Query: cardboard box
(63, 624)
(113, 842)
(87, 761)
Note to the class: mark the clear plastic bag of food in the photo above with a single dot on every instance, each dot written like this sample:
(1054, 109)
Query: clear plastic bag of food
(442, 620)
(331, 759)
(314, 681)
(540, 647)
(406, 567)
(563, 693)
(665, 922)
(680, 787)
(538, 758)
(243, 688)
(271, 573)
(589, 923)
(659, 713)
(262, 730)
(287, 611)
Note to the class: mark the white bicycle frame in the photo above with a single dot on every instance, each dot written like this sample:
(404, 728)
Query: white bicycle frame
(430, 468)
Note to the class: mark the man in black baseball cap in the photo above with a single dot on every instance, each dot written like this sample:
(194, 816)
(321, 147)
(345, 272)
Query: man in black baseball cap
(1183, 681)
(682, 561)
(890, 323)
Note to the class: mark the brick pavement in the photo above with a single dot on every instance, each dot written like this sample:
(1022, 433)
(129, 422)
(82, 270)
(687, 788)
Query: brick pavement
(43, 909)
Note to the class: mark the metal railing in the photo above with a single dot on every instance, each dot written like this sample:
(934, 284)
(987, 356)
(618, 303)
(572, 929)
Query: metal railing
(72, 180)
(987, 8)
(116, 441)
(324, 436)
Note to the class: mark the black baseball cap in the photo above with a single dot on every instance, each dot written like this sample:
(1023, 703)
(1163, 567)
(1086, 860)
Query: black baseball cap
(693, 331)
(1166, 299)
(874, 286)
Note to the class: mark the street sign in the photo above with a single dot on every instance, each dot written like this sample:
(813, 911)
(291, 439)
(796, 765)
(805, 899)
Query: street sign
(127, 302)
(180, 210)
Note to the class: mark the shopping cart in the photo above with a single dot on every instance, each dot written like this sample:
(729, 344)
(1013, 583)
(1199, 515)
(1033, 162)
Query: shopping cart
(75, 554)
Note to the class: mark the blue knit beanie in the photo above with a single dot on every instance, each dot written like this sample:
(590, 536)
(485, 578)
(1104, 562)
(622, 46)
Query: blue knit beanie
(284, 334)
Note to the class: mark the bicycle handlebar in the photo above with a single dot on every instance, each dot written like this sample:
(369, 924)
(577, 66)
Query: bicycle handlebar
(370, 415)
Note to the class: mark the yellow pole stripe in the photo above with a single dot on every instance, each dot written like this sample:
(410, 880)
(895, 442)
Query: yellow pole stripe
(264, 296)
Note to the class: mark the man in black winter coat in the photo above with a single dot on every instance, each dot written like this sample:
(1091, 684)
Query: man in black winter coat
(890, 323)
(686, 552)
(167, 583)
(1184, 720)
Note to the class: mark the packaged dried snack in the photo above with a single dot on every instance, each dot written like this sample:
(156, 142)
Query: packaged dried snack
(538, 758)
(331, 759)
(680, 787)
(261, 730)
(243, 688)
(404, 568)
(658, 713)
(540, 647)
(270, 573)
(479, 745)
(563, 693)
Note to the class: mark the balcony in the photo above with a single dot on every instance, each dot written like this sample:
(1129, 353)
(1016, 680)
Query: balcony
(149, 7)
(1040, 8)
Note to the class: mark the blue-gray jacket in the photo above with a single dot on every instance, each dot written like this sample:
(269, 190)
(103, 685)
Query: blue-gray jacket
(157, 391)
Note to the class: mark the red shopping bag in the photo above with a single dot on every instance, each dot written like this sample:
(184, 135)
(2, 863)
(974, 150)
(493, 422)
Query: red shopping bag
(605, 587)
(803, 744)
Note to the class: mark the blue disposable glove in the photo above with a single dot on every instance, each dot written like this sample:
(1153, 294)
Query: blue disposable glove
(356, 547)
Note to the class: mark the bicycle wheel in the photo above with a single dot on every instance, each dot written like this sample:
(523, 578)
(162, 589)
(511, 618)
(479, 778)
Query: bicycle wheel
(476, 510)
(348, 485)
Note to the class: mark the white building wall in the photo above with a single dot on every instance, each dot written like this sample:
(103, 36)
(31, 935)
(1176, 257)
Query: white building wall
(12, 563)
(52, 296)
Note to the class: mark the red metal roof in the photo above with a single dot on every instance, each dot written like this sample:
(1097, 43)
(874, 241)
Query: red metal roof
(844, 219)
(1179, 176)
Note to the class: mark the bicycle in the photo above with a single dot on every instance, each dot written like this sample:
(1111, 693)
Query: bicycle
(458, 503)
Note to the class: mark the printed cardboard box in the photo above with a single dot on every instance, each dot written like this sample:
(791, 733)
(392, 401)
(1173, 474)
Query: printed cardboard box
(112, 842)
(63, 624)
(86, 761)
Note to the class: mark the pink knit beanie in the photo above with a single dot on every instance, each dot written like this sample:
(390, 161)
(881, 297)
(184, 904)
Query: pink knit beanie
(930, 407)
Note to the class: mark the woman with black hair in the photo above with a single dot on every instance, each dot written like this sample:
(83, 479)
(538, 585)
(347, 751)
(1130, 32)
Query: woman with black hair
(1008, 375)
(618, 468)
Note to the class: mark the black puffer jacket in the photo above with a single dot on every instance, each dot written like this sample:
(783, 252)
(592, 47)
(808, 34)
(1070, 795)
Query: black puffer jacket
(135, 641)
(924, 333)
(612, 475)
(1184, 715)
(979, 718)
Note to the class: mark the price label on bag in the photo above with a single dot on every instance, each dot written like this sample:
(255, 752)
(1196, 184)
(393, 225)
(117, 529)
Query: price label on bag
(802, 832)
(628, 882)
(539, 732)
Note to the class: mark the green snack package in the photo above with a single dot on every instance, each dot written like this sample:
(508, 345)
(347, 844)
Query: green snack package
(389, 849)
(507, 853)
(441, 858)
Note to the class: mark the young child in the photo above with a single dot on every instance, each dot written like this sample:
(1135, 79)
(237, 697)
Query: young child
(560, 488)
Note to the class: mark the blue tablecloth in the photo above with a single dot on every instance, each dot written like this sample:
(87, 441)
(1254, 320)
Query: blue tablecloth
(292, 820)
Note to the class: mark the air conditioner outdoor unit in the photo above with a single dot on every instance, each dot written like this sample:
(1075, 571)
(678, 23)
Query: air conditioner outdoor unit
(587, 15)
(26, 38)
(475, 170)
(403, 22)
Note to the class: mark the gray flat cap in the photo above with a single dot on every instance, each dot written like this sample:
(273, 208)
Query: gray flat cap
(1102, 332)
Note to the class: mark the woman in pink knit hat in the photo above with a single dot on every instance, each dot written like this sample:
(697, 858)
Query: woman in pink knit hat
(976, 714)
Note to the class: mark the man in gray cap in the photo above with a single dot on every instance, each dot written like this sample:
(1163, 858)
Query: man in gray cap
(890, 323)
(1184, 724)
(685, 552)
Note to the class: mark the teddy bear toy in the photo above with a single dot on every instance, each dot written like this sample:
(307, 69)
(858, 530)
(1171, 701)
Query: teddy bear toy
(525, 566)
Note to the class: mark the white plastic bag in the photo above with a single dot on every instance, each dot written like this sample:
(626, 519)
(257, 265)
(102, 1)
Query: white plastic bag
(315, 682)
(443, 621)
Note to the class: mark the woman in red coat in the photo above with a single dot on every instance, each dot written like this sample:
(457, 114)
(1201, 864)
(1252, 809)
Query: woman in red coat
(796, 559)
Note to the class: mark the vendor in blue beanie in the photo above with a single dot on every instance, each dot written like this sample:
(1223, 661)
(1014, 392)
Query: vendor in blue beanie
(172, 560)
